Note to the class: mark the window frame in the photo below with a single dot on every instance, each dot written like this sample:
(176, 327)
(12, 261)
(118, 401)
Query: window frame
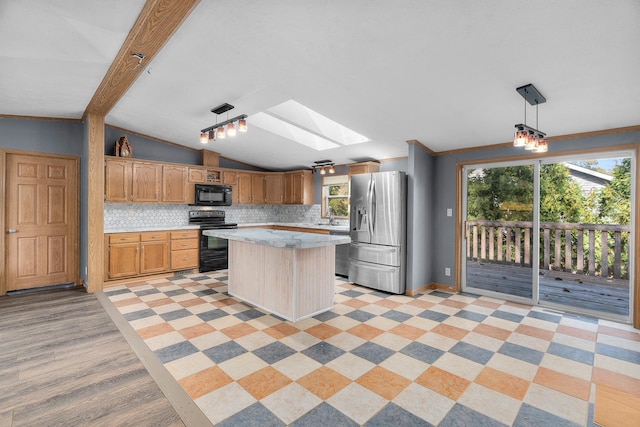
(324, 203)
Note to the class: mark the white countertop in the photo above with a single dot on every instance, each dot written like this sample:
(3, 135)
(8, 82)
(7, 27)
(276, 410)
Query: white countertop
(279, 238)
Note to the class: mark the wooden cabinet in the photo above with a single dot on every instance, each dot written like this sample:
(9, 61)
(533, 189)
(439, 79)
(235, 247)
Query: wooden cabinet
(154, 252)
(122, 255)
(244, 188)
(138, 254)
(184, 249)
(298, 187)
(364, 167)
(210, 158)
(229, 177)
(274, 188)
(174, 184)
(146, 181)
(117, 180)
(257, 189)
(197, 175)
(131, 181)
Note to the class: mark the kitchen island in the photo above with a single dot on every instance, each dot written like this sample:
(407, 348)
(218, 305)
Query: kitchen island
(291, 274)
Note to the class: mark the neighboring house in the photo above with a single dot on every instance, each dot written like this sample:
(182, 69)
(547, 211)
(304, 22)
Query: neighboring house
(588, 179)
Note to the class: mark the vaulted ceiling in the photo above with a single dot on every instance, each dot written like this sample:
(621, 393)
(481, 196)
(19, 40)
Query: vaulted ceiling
(440, 72)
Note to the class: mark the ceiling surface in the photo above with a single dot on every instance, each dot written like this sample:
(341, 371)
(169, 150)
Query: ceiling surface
(440, 72)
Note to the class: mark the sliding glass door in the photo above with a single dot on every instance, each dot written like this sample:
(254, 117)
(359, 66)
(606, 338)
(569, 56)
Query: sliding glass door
(499, 230)
(555, 232)
(585, 217)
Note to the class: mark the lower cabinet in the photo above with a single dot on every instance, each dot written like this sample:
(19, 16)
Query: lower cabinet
(184, 249)
(122, 253)
(140, 254)
(154, 252)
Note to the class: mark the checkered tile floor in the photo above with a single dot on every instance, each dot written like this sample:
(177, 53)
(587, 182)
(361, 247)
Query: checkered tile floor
(379, 359)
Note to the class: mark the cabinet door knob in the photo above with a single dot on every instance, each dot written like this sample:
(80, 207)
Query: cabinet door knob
(12, 230)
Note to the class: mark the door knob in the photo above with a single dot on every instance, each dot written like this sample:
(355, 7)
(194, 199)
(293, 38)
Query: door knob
(11, 230)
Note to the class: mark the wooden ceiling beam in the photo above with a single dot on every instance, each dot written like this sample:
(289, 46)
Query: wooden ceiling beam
(155, 25)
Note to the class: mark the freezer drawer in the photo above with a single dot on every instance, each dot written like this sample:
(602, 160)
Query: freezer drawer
(382, 277)
(377, 254)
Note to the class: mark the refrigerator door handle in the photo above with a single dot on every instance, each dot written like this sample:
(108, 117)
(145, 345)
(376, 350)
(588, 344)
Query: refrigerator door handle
(372, 210)
(369, 228)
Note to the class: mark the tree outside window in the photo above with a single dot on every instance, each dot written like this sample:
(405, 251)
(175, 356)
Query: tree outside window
(335, 194)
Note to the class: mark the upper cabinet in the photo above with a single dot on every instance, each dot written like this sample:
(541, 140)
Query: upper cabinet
(132, 181)
(128, 180)
(244, 188)
(117, 180)
(257, 189)
(174, 184)
(197, 175)
(229, 177)
(298, 187)
(146, 182)
(274, 188)
(364, 167)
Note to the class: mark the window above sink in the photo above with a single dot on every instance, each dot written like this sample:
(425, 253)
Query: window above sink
(335, 194)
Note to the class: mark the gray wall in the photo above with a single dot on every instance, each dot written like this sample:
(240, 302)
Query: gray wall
(56, 137)
(444, 196)
(419, 218)
(150, 149)
(48, 136)
(395, 165)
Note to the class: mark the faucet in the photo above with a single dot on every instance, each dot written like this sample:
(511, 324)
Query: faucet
(332, 218)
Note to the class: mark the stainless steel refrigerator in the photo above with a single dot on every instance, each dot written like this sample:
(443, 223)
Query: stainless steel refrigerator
(377, 253)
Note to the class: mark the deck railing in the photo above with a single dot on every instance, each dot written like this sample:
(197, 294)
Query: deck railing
(595, 250)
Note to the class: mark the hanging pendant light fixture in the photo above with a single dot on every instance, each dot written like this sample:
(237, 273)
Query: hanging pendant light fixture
(323, 166)
(228, 127)
(525, 136)
(204, 138)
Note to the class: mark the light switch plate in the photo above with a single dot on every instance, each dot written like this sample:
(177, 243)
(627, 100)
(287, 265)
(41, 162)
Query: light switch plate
(449, 212)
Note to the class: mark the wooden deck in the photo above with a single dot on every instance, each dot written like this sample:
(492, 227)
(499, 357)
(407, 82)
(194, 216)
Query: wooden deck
(582, 292)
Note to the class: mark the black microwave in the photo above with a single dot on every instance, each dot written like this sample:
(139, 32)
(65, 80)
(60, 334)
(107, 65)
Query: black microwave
(213, 195)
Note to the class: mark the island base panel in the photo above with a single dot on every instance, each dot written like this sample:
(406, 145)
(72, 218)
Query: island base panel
(291, 283)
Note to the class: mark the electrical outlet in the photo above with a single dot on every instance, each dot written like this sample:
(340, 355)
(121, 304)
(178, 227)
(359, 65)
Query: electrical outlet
(447, 271)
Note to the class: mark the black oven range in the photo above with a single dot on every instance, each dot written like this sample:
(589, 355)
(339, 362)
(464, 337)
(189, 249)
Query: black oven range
(214, 252)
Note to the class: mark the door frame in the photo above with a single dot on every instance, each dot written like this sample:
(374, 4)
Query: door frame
(75, 256)
(634, 246)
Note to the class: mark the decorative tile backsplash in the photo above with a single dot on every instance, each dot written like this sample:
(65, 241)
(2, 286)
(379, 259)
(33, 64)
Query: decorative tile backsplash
(139, 215)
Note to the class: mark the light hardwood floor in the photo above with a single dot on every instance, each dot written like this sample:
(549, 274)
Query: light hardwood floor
(64, 362)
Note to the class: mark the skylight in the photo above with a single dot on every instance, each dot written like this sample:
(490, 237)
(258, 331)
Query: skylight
(301, 124)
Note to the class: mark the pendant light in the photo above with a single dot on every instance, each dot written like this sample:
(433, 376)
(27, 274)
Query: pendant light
(228, 127)
(525, 136)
